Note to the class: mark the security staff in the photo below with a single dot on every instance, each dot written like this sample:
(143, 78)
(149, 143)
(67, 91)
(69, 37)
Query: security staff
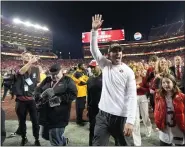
(26, 80)
(80, 77)
(54, 97)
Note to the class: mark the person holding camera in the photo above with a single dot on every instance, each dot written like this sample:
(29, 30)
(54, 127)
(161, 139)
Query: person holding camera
(54, 97)
(25, 82)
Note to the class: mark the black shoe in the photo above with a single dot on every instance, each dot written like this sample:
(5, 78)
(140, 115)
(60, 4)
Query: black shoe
(37, 143)
(67, 142)
(24, 141)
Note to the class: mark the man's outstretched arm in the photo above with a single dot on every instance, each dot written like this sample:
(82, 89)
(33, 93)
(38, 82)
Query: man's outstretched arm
(97, 55)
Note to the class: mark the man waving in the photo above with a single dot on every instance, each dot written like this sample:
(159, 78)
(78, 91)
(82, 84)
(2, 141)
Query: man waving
(118, 101)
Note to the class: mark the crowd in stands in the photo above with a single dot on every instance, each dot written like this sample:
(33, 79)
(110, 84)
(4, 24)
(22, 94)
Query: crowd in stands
(167, 30)
(17, 51)
(11, 64)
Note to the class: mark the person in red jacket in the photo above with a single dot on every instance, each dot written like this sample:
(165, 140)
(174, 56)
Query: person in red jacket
(169, 113)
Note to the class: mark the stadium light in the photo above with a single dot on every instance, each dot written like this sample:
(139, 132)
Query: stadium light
(28, 24)
(45, 28)
(16, 20)
(37, 26)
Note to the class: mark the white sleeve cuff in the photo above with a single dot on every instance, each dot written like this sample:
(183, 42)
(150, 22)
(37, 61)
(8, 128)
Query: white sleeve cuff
(94, 33)
(130, 120)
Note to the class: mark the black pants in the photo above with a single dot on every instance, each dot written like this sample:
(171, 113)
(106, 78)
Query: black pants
(80, 106)
(24, 107)
(6, 89)
(18, 131)
(92, 122)
(106, 125)
(3, 130)
(152, 101)
(166, 144)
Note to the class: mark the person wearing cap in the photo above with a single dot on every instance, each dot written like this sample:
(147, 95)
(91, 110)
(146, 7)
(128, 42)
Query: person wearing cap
(54, 97)
(80, 77)
(26, 80)
(118, 102)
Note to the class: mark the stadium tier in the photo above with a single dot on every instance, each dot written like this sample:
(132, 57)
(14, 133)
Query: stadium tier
(18, 36)
(168, 30)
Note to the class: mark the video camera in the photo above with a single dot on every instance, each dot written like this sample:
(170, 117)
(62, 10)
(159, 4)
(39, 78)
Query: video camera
(48, 96)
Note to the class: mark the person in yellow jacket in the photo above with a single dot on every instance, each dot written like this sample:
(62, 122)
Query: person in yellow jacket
(42, 74)
(80, 78)
(42, 77)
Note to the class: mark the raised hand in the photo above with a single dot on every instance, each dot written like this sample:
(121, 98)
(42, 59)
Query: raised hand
(96, 21)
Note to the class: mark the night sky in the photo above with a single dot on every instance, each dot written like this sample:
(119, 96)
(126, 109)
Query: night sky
(67, 20)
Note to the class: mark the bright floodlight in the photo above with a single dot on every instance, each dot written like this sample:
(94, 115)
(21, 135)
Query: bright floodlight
(37, 27)
(28, 24)
(45, 28)
(16, 20)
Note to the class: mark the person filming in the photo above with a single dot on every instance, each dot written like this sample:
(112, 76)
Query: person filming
(54, 97)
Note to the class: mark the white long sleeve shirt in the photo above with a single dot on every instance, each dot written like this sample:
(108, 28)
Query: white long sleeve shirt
(119, 86)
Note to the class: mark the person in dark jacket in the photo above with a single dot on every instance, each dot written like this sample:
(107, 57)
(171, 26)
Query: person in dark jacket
(7, 83)
(94, 88)
(26, 80)
(54, 97)
(178, 71)
(3, 130)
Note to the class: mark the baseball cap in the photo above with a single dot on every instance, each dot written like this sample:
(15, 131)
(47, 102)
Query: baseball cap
(115, 47)
(55, 68)
(93, 63)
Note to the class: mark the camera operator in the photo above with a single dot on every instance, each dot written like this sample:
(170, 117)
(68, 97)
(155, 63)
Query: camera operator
(54, 97)
(25, 82)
